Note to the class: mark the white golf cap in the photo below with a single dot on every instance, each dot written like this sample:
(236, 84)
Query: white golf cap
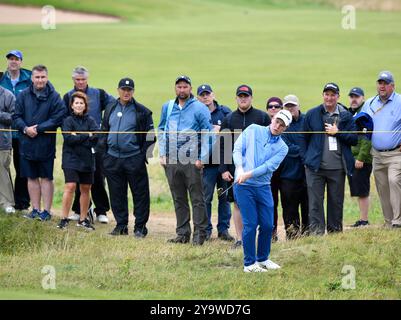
(284, 115)
(291, 99)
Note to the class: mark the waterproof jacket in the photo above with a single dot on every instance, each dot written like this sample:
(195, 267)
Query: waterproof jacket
(145, 136)
(292, 168)
(78, 149)
(7, 107)
(47, 112)
(313, 143)
(23, 82)
(362, 150)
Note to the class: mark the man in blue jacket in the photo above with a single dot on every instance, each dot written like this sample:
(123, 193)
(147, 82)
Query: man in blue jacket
(294, 195)
(17, 79)
(211, 174)
(184, 133)
(328, 158)
(98, 99)
(257, 153)
(39, 108)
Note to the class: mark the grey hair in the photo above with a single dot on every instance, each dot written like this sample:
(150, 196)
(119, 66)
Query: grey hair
(80, 71)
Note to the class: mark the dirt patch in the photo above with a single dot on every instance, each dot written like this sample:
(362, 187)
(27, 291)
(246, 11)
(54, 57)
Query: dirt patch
(33, 15)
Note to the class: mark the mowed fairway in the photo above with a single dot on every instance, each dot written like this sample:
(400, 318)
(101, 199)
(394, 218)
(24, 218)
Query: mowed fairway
(276, 51)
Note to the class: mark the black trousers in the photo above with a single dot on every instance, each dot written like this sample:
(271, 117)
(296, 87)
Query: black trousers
(132, 172)
(294, 196)
(21, 194)
(98, 190)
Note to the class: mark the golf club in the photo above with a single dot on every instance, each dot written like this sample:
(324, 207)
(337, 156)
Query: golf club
(220, 191)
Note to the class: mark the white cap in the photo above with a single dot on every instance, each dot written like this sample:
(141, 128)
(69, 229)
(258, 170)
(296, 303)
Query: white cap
(284, 115)
(291, 99)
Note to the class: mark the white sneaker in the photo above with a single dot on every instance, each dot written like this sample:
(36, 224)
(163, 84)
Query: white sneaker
(268, 264)
(74, 217)
(102, 218)
(254, 268)
(9, 209)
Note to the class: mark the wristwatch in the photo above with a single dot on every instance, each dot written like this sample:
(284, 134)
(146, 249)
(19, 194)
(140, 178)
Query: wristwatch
(25, 130)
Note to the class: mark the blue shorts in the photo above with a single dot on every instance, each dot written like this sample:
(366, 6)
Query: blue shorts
(36, 169)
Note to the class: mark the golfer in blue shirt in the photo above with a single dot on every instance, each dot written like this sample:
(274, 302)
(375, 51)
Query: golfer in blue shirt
(257, 153)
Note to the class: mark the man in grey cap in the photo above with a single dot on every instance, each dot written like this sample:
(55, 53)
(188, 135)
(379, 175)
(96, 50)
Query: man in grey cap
(385, 110)
(359, 182)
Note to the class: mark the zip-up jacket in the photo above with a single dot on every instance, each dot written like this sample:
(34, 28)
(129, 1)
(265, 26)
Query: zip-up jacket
(260, 152)
(46, 111)
(313, 143)
(235, 123)
(144, 136)
(182, 131)
(7, 108)
(362, 150)
(78, 152)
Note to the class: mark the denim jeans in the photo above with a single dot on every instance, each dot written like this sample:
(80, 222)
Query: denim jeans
(211, 178)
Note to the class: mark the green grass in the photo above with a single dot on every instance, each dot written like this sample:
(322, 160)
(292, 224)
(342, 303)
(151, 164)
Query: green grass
(277, 48)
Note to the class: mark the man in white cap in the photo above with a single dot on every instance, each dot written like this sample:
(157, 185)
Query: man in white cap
(294, 195)
(257, 153)
(385, 110)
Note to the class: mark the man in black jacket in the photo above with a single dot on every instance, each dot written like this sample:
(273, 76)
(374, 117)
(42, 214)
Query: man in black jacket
(231, 127)
(126, 150)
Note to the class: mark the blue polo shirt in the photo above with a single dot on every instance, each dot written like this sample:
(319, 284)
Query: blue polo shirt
(386, 117)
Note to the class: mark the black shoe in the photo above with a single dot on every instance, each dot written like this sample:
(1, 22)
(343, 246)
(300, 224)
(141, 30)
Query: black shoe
(198, 240)
(208, 236)
(138, 234)
(63, 223)
(360, 223)
(120, 231)
(85, 224)
(237, 244)
(396, 226)
(179, 239)
(225, 236)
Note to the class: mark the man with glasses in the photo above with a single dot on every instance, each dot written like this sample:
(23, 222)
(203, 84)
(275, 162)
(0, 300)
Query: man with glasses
(273, 106)
(385, 110)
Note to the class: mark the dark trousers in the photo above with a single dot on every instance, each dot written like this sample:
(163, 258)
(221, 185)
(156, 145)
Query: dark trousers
(294, 196)
(275, 187)
(21, 194)
(211, 179)
(98, 190)
(316, 182)
(132, 172)
(184, 178)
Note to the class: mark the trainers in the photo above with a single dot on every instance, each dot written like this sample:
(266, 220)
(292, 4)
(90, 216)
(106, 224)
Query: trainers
(237, 244)
(120, 231)
(139, 234)
(44, 215)
(179, 239)
(102, 218)
(9, 210)
(268, 264)
(86, 225)
(63, 223)
(74, 217)
(254, 268)
(225, 236)
(32, 215)
(360, 223)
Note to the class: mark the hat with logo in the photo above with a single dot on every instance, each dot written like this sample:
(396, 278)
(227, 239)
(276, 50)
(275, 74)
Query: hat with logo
(183, 78)
(204, 88)
(244, 89)
(15, 53)
(386, 76)
(291, 99)
(331, 86)
(284, 115)
(356, 91)
(126, 83)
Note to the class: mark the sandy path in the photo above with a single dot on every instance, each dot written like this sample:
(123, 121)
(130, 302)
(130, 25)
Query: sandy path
(10, 14)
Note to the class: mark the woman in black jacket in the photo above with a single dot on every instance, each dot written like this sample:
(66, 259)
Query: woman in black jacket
(78, 161)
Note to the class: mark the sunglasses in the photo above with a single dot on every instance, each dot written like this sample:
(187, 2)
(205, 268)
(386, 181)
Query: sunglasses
(270, 106)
